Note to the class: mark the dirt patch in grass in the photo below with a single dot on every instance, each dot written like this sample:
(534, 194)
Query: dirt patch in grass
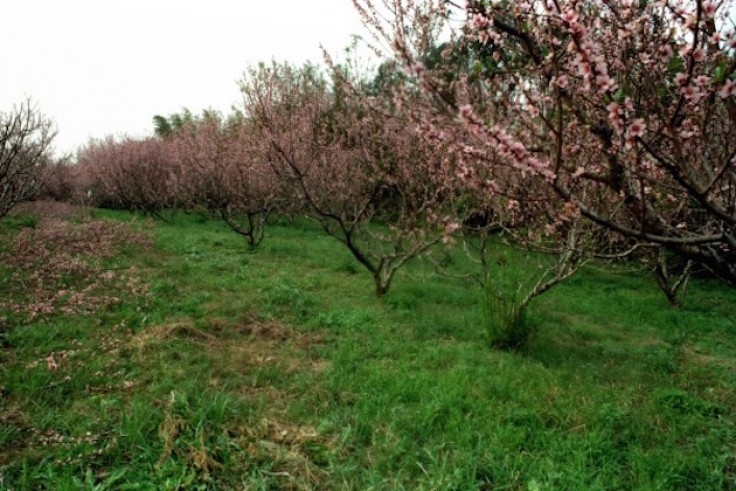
(265, 330)
(295, 456)
(693, 356)
(251, 342)
(155, 335)
(254, 342)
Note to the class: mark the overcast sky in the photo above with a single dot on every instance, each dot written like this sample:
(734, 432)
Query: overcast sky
(100, 67)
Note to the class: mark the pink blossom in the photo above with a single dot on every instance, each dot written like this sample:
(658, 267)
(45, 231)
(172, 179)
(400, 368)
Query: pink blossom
(665, 52)
(629, 104)
(728, 89)
(702, 80)
(709, 8)
(637, 128)
(690, 92)
(561, 81)
(480, 22)
(466, 112)
(731, 41)
(605, 83)
(570, 16)
(614, 115)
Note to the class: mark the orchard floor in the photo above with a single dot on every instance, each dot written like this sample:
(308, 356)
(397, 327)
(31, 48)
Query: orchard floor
(185, 361)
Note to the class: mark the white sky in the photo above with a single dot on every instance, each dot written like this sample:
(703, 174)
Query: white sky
(100, 67)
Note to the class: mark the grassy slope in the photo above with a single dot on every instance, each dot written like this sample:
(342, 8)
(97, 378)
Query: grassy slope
(279, 370)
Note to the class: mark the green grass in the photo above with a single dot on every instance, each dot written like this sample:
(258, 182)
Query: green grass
(278, 369)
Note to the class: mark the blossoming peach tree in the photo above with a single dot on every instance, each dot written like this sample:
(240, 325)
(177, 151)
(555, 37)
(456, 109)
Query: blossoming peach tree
(134, 174)
(366, 178)
(625, 111)
(222, 170)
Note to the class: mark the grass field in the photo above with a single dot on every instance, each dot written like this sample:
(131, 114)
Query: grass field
(184, 361)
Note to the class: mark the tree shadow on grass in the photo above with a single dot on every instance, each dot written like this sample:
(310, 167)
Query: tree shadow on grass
(602, 351)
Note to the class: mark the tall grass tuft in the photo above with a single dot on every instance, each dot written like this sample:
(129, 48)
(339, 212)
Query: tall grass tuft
(505, 316)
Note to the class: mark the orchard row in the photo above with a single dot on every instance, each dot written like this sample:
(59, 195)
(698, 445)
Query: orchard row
(585, 129)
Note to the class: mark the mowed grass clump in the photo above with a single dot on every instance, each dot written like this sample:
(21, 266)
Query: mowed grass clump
(278, 369)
